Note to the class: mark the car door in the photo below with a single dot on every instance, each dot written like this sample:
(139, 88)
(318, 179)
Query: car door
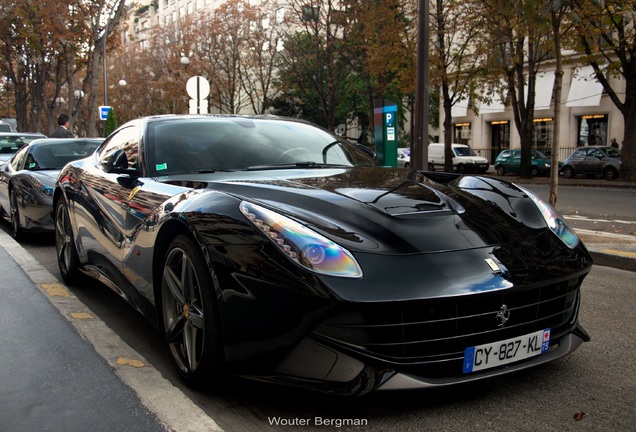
(514, 162)
(97, 200)
(7, 171)
(591, 164)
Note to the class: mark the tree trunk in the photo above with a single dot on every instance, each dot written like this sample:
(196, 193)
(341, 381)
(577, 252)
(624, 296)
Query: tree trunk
(558, 83)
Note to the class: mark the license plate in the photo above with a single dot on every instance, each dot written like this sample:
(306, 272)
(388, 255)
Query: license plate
(495, 354)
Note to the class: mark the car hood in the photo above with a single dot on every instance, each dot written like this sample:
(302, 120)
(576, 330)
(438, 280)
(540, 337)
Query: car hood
(394, 210)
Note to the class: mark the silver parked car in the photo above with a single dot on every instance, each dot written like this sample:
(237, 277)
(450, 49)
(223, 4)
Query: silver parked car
(593, 161)
(11, 142)
(28, 178)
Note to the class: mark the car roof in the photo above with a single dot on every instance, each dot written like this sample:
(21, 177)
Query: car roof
(22, 134)
(41, 141)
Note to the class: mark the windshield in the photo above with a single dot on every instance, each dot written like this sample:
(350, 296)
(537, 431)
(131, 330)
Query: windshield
(536, 154)
(55, 155)
(11, 143)
(612, 152)
(221, 144)
(464, 151)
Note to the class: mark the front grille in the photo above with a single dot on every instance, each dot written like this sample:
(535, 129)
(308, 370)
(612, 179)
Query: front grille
(437, 331)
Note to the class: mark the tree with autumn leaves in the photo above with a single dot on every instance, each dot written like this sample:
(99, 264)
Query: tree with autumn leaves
(323, 60)
(605, 34)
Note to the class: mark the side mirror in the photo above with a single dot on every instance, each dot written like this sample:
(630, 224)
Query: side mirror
(117, 163)
(367, 150)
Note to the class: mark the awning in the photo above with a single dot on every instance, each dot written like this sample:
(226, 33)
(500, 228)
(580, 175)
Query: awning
(496, 106)
(585, 90)
(460, 108)
(543, 90)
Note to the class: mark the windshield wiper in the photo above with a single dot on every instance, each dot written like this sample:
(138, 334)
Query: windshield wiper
(292, 165)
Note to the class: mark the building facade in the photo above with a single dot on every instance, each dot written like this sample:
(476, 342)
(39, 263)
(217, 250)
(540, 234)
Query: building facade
(588, 117)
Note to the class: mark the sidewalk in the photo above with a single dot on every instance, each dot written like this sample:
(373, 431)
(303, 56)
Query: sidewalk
(64, 369)
(52, 378)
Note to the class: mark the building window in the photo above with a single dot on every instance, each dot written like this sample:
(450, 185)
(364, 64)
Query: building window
(462, 133)
(310, 13)
(592, 130)
(500, 131)
(542, 134)
(280, 15)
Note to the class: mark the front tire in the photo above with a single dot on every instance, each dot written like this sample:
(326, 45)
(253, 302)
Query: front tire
(534, 171)
(67, 258)
(189, 312)
(610, 173)
(501, 170)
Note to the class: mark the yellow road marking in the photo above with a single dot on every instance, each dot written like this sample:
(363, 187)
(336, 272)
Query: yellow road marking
(82, 315)
(55, 290)
(622, 253)
(130, 362)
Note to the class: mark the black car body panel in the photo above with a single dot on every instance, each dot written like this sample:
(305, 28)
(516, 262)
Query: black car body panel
(439, 256)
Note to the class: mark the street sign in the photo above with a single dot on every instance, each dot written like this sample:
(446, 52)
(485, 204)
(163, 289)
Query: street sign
(198, 89)
(103, 112)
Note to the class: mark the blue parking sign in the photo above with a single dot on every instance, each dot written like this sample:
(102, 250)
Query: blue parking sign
(103, 112)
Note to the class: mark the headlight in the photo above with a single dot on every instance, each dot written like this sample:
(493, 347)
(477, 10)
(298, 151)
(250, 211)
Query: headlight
(556, 224)
(302, 245)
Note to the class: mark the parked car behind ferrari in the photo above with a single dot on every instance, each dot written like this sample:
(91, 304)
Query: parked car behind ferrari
(593, 161)
(28, 178)
(274, 249)
(11, 142)
(509, 161)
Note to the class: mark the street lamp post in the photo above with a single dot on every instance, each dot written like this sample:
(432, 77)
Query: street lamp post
(123, 83)
(104, 64)
(79, 94)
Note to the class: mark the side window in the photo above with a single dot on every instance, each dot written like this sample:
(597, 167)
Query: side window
(17, 162)
(596, 153)
(127, 140)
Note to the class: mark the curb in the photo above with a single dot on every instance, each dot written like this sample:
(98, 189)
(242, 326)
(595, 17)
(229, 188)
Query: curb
(607, 259)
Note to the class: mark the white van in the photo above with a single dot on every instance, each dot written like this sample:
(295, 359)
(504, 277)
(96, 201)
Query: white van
(464, 159)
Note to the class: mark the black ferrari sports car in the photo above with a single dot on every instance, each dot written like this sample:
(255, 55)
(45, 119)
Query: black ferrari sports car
(28, 178)
(271, 248)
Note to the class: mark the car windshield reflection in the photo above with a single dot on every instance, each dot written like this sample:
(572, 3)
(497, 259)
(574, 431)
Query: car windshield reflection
(239, 144)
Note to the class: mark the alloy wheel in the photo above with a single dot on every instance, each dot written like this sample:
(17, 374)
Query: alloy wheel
(183, 310)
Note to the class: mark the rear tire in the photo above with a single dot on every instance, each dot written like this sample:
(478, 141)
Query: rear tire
(67, 258)
(190, 313)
